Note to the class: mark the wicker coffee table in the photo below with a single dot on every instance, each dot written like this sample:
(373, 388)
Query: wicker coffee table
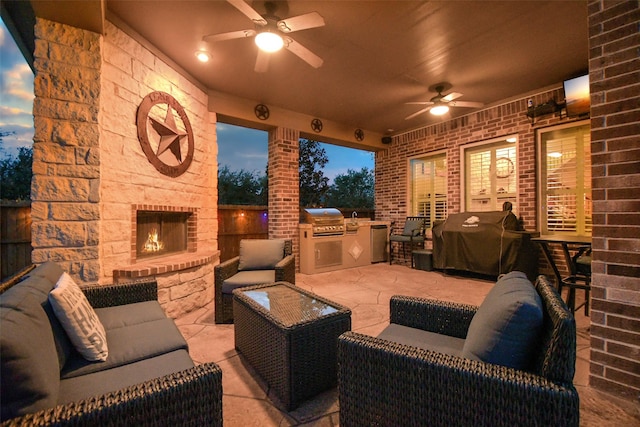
(289, 336)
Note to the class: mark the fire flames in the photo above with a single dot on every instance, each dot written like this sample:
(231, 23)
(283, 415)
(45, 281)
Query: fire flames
(153, 244)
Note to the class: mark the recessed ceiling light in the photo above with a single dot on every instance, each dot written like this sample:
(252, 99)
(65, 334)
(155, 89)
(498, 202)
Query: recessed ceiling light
(203, 56)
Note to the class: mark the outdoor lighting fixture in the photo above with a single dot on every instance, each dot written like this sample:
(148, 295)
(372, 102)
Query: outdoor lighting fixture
(203, 56)
(439, 109)
(268, 41)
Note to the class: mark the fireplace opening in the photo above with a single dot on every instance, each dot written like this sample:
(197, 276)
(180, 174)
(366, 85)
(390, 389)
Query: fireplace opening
(160, 233)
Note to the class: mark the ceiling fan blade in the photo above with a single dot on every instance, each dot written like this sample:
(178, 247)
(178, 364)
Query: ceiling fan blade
(301, 22)
(305, 54)
(420, 103)
(229, 36)
(468, 104)
(262, 62)
(451, 97)
(248, 11)
(417, 113)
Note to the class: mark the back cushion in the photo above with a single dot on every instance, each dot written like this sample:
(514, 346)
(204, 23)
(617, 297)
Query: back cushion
(506, 328)
(260, 254)
(30, 373)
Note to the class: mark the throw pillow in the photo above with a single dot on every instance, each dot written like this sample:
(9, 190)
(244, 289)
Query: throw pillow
(79, 319)
(260, 254)
(506, 327)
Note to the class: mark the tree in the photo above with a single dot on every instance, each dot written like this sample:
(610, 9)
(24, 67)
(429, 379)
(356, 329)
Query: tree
(16, 174)
(355, 189)
(241, 187)
(313, 184)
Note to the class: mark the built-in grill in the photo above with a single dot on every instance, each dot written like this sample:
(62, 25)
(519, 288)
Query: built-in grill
(325, 221)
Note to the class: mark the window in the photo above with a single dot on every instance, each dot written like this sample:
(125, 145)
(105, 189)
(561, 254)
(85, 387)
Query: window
(565, 179)
(429, 187)
(491, 175)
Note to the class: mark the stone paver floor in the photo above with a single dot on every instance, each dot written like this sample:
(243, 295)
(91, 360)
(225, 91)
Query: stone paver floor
(366, 291)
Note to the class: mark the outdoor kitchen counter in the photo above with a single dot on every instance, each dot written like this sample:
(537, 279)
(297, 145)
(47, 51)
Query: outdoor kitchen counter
(328, 253)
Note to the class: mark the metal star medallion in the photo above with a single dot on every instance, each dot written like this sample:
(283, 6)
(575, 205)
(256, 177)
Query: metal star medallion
(167, 158)
(170, 136)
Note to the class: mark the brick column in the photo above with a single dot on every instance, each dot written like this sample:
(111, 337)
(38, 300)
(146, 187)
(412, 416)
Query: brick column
(615, 154)
(284, 186)
(66, 159)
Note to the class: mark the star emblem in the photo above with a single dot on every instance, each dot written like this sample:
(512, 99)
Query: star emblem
(170, 136)
(164, 150)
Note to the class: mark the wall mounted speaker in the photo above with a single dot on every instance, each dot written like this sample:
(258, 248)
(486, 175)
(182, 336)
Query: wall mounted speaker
(386, 140)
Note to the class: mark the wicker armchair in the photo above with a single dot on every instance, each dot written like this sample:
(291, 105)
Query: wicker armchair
(382, 383)
(284, 271)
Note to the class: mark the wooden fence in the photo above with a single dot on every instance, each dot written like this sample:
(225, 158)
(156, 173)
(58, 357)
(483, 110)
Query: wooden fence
(15, 237)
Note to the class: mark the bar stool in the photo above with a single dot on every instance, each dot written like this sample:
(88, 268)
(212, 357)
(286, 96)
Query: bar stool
(580, 278)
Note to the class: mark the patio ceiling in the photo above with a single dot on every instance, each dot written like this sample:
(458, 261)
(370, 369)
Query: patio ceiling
(378, 55)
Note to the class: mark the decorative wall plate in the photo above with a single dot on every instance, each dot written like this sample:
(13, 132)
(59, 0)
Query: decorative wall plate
(316, 125)
(261, 111)
(161, 138)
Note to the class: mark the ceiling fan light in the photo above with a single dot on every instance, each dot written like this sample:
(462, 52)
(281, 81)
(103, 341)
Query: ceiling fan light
(269, 42)
(439, 110)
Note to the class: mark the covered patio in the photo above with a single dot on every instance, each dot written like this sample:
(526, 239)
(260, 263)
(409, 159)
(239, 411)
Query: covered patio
(366, 291)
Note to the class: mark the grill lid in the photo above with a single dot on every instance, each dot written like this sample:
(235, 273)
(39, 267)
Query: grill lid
(323, 216)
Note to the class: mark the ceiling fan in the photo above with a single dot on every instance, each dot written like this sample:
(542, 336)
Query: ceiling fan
(271, 33)
(439, 104)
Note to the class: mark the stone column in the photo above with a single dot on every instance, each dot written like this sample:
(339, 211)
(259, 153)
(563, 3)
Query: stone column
(66, 160)
(284, 186)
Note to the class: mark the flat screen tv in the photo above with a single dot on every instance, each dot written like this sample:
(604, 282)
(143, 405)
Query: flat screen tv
(576, 96)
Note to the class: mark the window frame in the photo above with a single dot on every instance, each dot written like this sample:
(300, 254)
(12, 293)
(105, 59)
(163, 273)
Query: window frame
(511, 139)
(411, 204)
(582, 228)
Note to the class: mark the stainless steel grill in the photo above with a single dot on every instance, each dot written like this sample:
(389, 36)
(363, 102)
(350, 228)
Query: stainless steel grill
(325, 221)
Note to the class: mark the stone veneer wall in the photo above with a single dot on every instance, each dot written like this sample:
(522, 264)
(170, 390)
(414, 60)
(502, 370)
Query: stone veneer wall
(90, 169)
(65, 189)
(284, 183)
(614, 72)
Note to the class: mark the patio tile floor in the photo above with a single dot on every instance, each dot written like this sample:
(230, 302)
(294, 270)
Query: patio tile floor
(367, 291)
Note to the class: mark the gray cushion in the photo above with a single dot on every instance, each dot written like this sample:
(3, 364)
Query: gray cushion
(29, 373)
(247, 278)
(423, 339)
(97, 383)
(131, 344)
(120, 316)
(260, 254)
(506, 327)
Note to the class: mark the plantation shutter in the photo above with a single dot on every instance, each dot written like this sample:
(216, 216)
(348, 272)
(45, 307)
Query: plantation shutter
(491, 176)
(429, 188)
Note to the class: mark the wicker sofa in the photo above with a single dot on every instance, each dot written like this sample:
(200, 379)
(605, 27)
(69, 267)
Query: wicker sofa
(261, 261)
(385, 383)
(148, 378)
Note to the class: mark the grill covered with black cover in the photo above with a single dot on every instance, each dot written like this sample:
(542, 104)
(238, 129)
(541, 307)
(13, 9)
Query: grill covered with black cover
(487, 243)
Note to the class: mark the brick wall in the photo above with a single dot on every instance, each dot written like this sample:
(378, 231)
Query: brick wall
(614, 72)
(284, 183)
(392, 172)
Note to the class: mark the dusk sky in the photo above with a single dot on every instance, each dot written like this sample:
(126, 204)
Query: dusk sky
(238, 147)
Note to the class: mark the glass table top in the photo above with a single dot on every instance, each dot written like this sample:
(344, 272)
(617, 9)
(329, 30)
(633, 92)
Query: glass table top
(289, 305)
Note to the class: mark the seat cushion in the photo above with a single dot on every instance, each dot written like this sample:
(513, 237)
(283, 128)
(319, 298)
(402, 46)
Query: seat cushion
(248, 278)
(79, 320)
(506, 327)
(423, 339)
(131, 344)
(29, 368)
(120, 316)
(260, 254)
(98, 383)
